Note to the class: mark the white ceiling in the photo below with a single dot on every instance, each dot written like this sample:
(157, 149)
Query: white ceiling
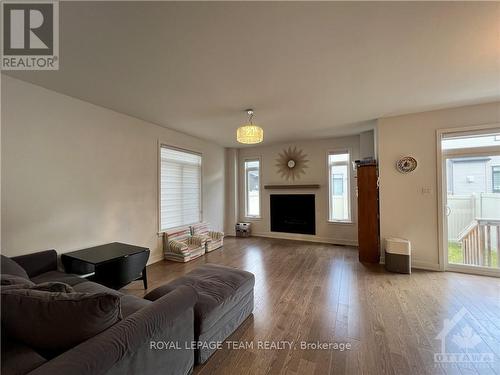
(309, 69)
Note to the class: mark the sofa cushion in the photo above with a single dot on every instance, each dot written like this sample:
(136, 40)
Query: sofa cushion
(53, 286)
(130, 304)
(224, 327)
(92, 287)
(37, 263)
(219, 290)
(62, 277)
(19, 359)
(10, 267)
(14, 282)
(200, 229)
(56, 322)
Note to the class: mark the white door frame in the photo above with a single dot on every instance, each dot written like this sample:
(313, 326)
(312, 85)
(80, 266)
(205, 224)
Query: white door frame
(442, 194)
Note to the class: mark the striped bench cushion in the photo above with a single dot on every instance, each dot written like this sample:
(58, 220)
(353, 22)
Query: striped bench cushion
(179, 234)
(199, 228)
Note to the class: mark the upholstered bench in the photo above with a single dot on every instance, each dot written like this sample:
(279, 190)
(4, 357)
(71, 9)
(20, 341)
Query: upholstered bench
(213, 239)
(180, 246)
(225, 300)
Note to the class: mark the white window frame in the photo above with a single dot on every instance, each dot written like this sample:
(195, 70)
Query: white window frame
(442, 155)
(172, 147)
(347, 151)
(493, 171)
(245, 184)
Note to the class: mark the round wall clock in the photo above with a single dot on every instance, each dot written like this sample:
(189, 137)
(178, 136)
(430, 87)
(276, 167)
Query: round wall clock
(406, 164)
(291, 163)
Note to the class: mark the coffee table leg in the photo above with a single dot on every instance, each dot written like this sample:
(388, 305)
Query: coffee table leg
(145, 278)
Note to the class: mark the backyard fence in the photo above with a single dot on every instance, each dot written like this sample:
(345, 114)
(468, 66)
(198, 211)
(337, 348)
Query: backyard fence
(463, 210)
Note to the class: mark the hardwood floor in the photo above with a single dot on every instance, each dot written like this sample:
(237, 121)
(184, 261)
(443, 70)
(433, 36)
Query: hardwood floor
(314, 292)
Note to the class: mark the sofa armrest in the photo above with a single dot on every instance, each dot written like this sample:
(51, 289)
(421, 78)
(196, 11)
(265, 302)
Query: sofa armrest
(216, 235)
(198, 241)
(177, 247)
(38, 263)
(126, 347)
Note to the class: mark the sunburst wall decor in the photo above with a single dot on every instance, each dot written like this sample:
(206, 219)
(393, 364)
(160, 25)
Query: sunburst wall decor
(291, 163)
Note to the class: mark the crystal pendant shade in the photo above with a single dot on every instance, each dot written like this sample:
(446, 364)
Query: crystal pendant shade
(249, 134)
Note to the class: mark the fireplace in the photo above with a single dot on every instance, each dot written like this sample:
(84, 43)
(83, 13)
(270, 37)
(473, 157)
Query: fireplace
(293, 213)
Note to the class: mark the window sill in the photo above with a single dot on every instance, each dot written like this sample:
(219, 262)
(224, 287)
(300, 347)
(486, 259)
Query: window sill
(341, 222)
(252, 218)
(162, 231)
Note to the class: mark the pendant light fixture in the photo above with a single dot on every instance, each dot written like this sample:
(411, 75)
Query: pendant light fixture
(249, 133)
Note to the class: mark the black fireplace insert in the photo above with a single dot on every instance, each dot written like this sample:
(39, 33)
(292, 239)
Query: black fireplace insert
(293, 213)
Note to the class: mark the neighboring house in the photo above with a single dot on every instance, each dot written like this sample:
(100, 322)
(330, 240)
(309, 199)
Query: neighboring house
(473, 192)
(473, 175)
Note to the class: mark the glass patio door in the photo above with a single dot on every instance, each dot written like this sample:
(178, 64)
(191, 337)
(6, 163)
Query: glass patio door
(471, 166)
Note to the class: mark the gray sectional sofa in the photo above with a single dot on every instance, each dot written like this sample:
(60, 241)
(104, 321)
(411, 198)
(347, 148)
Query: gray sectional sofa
(225, 300)
(207, 304)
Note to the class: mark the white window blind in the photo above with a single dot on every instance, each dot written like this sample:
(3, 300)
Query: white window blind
(180, 188)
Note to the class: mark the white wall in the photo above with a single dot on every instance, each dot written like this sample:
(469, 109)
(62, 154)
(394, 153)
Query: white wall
(316, 173)
(232, 192)
(405, 210)
(76, 175)
(367, 144)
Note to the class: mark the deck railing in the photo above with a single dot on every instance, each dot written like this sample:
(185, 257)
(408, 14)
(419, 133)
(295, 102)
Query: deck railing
(478, 239)
(462, 209)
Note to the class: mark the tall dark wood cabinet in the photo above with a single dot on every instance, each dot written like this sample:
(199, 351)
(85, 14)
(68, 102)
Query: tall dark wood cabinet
(368, 214)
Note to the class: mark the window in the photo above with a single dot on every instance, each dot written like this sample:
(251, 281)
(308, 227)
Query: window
(338, 180)
(453, 141)
(338, 185)
(496, 178)
(252, 188)
(180, 187)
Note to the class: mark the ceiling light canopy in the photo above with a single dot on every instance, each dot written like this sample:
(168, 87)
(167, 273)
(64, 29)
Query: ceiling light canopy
(249, 133)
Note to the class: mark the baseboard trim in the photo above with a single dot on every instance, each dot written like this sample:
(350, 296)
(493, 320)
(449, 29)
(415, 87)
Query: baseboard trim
(301, 237)
(418, 265)
(155, 259)
(425, 266)
(481, 271)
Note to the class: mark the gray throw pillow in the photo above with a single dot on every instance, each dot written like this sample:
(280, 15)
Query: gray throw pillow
(10, 267)
(54, 287)
(14, 282)
(56, 322)
(6, 279)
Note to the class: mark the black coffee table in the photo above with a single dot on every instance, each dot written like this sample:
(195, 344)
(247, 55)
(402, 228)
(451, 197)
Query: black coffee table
(114, 265)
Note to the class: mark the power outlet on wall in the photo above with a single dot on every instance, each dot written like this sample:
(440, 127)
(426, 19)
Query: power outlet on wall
(426, 190)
